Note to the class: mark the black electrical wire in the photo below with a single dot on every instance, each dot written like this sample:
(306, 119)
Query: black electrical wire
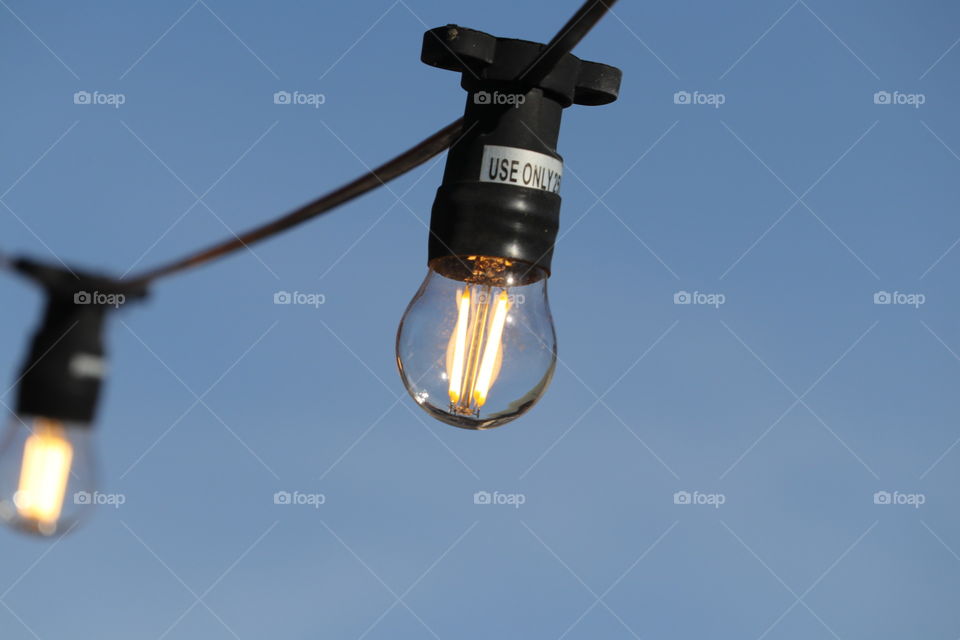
(577, 27)
(409, 159)
(561, 44)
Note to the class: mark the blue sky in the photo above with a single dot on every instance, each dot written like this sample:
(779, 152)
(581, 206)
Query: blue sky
(798, 199)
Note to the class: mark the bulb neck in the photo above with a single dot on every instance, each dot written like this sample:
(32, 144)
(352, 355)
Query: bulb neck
(500, 195)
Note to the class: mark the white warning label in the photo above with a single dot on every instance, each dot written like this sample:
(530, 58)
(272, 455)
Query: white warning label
(522, 167)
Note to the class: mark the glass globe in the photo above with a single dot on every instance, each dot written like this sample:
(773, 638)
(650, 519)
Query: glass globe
(46, 475)
(476, 346)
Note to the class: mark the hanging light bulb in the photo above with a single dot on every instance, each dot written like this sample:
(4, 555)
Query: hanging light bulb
(476, 347)
(47, 474)
(47, 470)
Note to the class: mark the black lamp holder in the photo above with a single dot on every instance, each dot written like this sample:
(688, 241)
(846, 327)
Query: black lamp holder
(64, 368)
(500, 191)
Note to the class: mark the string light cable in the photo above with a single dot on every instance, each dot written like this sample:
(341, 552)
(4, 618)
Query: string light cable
(476, 347)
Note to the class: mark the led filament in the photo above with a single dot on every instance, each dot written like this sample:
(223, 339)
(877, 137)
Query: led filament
(475, 352)
(44, 474)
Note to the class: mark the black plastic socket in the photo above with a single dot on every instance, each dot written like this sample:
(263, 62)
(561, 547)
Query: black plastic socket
(63, 372)
(500, 191)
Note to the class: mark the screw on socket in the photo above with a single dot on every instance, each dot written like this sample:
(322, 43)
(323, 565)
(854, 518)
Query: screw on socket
(500, 195)
(63, 371)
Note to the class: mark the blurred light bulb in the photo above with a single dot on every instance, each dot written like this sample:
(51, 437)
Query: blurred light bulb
(46, 475)
(476, 347)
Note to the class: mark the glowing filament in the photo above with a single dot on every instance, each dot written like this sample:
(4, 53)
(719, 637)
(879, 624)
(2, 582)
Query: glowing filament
(485, 379)
(475, 349)
(460, 346)
(44, 475)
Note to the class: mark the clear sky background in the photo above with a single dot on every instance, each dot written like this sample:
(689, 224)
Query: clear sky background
(796, 400)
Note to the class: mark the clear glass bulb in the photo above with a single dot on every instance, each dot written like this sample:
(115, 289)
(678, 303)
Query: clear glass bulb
(476, 347)
(46, 475)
